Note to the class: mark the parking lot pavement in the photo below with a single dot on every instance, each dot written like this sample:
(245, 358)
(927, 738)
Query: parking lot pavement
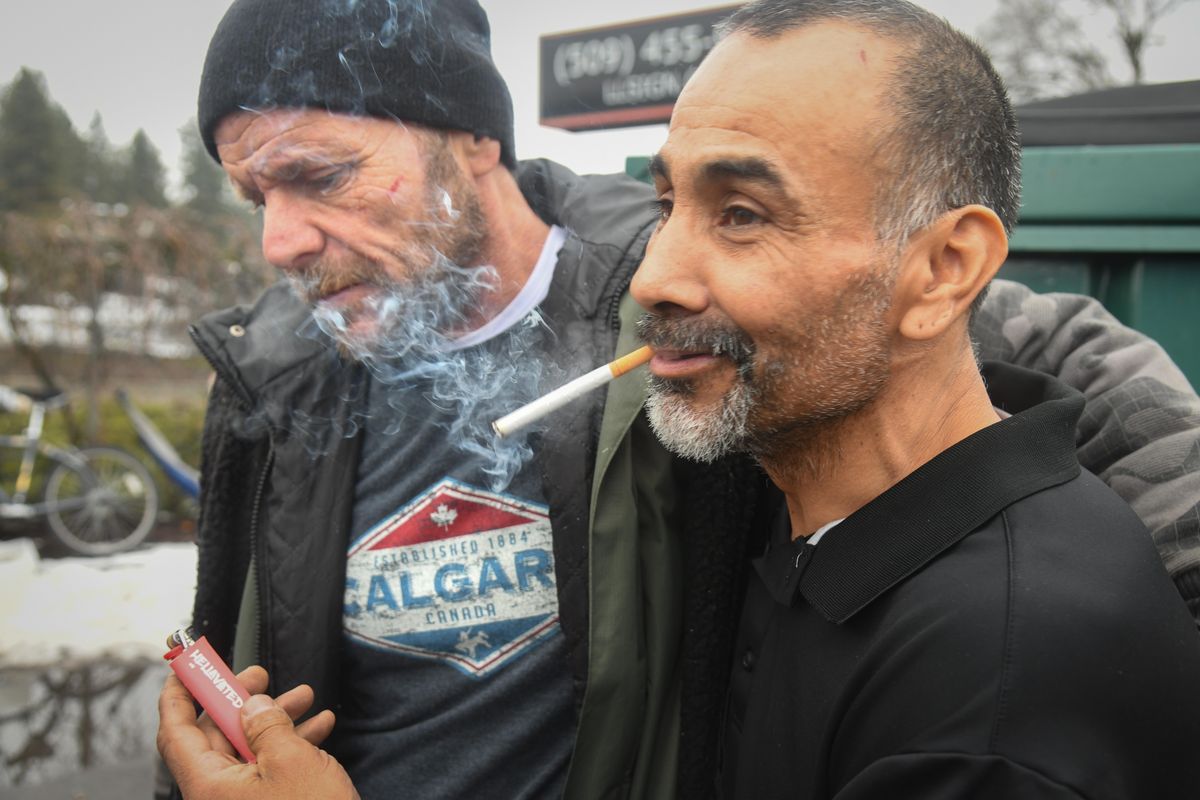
(131, 780)
(81, 642)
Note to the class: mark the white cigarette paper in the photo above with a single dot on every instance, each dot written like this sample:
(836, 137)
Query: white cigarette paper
(570, 391)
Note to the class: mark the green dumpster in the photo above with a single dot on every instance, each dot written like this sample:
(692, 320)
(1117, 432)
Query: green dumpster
(1111, 207)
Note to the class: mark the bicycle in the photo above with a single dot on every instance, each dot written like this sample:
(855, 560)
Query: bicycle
(97, 500)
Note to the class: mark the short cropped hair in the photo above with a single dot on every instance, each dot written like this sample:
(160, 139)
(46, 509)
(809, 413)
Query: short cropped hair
(953, 137)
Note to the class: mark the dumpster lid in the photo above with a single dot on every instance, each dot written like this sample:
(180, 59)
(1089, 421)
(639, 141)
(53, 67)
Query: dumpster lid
(1157, 113)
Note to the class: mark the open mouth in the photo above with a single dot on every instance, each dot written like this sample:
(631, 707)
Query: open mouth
(344, 295)
(668, 363)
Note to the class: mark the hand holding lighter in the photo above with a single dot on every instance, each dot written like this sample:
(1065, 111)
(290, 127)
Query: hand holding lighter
(212, 683)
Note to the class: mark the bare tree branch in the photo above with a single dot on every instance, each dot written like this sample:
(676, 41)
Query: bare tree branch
(1135, 26)
(1041, 50)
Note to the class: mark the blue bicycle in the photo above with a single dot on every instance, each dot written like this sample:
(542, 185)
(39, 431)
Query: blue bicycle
(97, 500)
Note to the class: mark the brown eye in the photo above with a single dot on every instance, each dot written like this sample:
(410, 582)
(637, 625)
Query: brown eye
(662, 208)
(738, 216)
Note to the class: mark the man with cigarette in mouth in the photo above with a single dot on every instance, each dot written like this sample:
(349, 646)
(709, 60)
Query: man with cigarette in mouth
(943, 605)
(558, 627)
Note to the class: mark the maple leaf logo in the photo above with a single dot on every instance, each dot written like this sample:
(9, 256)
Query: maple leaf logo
(444, 516)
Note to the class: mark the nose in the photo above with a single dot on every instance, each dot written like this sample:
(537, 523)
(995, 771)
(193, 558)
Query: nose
(670, 279)
(290, 236)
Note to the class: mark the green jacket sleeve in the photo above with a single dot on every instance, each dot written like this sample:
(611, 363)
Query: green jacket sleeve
(626, 745)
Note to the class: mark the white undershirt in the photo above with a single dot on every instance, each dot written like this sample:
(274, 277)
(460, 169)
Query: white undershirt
(530, 297)
(821, 531)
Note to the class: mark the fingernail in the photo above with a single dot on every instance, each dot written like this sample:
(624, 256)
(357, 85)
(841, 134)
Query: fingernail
(256, 705)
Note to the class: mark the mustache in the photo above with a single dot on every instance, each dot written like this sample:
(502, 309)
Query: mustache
(320, 280)
(698, 335)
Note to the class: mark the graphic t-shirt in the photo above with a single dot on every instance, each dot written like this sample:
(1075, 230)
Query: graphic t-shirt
(456, 681)
(457, 574)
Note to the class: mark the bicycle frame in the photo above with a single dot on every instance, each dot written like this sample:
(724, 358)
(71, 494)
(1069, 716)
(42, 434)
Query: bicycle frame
(32, 437)
(16, 505)
(96, 501)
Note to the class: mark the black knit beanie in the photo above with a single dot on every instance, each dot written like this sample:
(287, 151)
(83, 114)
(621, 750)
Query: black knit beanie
(423, 61)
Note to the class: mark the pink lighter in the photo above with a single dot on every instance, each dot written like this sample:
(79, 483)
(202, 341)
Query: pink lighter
(213, 685)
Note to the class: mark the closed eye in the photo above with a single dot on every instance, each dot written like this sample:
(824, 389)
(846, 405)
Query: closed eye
(329, 180)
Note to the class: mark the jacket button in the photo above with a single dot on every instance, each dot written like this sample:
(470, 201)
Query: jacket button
(748, 659)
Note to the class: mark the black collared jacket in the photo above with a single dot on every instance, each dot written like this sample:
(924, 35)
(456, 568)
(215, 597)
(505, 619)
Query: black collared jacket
(995, 625)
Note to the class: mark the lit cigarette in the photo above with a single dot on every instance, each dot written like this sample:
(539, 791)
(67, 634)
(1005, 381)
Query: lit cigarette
(570, 391)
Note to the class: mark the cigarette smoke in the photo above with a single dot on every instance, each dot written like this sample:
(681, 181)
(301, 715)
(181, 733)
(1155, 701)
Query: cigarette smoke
(404, 332)
(408, 350)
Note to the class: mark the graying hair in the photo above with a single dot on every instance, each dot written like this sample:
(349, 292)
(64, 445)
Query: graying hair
(950, 133)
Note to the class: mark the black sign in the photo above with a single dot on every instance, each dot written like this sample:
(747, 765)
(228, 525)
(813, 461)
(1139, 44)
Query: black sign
(623, 75)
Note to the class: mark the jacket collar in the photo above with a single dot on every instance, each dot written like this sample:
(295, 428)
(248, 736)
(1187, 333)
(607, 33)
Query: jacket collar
(605, 214)
(255, 346)
(945, 499)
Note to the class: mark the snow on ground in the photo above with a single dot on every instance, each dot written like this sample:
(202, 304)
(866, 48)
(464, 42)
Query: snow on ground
(123, 605)
(81, 644)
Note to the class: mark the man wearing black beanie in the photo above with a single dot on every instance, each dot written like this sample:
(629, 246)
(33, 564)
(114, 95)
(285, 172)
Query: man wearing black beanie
(487, 618)
(364, 532)
(424, 62)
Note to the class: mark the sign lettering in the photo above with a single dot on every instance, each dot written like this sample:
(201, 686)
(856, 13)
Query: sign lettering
(629, 74)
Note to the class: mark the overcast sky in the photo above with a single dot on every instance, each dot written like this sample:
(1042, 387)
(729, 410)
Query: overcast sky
(137, 62)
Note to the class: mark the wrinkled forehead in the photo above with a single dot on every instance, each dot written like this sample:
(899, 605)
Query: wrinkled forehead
(249, 137)
(249, 134)
(812, 92)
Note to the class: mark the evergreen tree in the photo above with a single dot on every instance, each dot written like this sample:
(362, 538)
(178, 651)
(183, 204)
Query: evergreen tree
(71, 150)
(145, 177)
(100, 167)
(38, 146)
(203, 178)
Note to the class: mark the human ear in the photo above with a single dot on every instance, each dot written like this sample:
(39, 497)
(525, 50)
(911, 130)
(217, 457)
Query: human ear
(481, 153)
(946, 266)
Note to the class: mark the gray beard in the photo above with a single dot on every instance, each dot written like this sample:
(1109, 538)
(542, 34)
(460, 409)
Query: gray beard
(702, 436)
(837, 365)
(417, 318)
(707, 435)
(420, 315)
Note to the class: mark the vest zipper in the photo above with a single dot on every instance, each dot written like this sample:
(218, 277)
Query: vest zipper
(261, 638)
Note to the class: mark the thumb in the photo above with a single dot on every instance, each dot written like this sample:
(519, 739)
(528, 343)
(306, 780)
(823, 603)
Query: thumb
(268, 728)
(289, 764)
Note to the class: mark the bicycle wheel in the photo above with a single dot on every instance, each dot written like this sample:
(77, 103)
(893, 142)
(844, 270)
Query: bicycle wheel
(107, 508)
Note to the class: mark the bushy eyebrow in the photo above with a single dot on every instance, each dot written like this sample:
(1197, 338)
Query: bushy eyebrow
(289, 166)
(725, 174)
(658, 167)
(753, 170)
(750, 169)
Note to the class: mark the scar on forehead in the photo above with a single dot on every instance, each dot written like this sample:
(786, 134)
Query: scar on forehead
(396, 184)
(862, 56)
